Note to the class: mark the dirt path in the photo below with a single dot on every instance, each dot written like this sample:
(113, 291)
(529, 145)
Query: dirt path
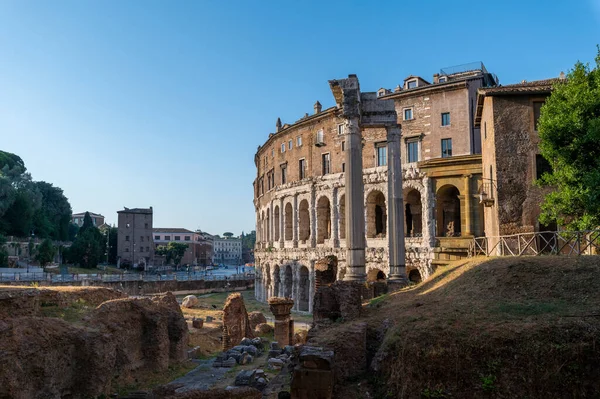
(203, 377)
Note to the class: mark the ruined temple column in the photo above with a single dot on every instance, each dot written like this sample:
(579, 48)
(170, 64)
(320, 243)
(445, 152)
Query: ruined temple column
(355, 208)
(281, 307)
(467, 179)
(397, 256)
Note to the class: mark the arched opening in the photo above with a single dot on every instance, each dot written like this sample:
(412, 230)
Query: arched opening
(289, 281)
(323, 220)
(276, 281)
(263, 238)
(448, 211)
(326, 270)
(375, 275)
(276, 221)
(267, 281)
(304, 219)
(376, 215)
(304, 292)
(415, 276)
(413, 213)
(342, 217)
(289, 220)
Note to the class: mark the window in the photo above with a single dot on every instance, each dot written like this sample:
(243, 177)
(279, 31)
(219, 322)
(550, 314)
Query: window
(177, 238)
(157, 237)
(145, 225)
(167, 238)
(446, 148)
(326, 162)
(283, 147)
(299, 141)
(408, 114)
(411, 84)
(537, 107)
(343, 146)
(446, 119)
(343, 167)
(290, 143)
(541, 166)
(126, 249)
(141, 238)
(381, 149)
(147, 249)
(442, 80)
(484, 130)
(141, 249)
(320, 140)
(302, 168)
(283, 174)
(186, 238)
(126, 238)
(412, 150)
(340, 129)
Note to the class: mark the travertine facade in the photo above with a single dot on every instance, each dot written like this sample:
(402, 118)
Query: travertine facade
(300, 195)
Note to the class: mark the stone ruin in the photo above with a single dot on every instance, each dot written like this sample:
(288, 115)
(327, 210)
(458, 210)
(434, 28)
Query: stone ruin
(236, 324)
(284, 325)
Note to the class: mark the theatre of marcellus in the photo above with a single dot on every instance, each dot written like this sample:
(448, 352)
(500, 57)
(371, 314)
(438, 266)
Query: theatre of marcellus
(461, 178)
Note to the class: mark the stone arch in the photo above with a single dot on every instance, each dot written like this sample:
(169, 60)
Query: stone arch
(413, 213)
(415, 276)
(303, 221)
(262, 227)
(448, 211)
(304, 290)
(268, 225)
(376, 215)
(276, 223)
(326, 270)
(342, 217)
(323, 219)
(375, 275)
(288, 282)
(289, 222)
(276, 280)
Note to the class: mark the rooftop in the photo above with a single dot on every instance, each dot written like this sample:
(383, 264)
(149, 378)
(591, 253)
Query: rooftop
(136, 210)
(171, 230)
(535, 86)
(91, 214)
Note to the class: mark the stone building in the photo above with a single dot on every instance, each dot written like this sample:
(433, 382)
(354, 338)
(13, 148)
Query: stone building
(511, 161)
(227, 251)
(299, 187)
(97, 219)
(134, 242)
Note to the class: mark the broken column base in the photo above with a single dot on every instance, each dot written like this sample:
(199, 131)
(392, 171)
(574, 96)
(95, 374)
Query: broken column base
(313, 377)
(342, 299)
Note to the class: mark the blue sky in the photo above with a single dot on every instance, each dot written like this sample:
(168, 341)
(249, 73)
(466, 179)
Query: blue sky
(163, 103)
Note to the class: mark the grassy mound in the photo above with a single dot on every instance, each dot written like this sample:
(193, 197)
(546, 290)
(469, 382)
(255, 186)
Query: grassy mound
(510, 327)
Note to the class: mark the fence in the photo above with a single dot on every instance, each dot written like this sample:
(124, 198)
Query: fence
(538, 243)
(65, 278)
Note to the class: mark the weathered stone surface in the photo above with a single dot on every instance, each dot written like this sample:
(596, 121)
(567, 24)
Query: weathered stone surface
(256, 318)
(263, 329)
(197, 323)
(209, 319)
(300, 337)
(48, 357)
(275, 364)
(235, 319)
(245, 377)
(190, 301)
(316, 358)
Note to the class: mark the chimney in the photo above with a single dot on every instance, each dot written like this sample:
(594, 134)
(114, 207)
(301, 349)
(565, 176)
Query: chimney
(397, 89)
(278, 125)
(318, 108)
(562, 75)
(436, 78)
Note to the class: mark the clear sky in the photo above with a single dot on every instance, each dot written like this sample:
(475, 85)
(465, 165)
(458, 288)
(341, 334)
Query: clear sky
(163, 103)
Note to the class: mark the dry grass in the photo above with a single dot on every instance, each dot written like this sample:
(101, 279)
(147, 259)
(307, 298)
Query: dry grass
(506, 327)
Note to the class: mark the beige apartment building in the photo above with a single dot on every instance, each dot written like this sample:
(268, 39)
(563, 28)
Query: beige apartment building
(299, 186)
(97, 219)
(200, 248)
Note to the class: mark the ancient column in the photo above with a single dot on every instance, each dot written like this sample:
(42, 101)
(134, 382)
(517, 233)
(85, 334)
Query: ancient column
(313, 216)
(335, 214)
(311, 287)
(281, 307)
(397, 256)
(281, 224)
(467, 232)
(295, 222)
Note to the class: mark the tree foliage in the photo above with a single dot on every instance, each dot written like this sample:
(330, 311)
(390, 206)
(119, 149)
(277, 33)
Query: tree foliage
(173, 252)
(45, 252)
(3, 252)
(87, 249)
(569, 129)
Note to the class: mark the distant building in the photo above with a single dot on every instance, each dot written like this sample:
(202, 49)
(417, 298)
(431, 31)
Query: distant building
(97, 219)
(227, 251)
(199, 250)
(134, 244)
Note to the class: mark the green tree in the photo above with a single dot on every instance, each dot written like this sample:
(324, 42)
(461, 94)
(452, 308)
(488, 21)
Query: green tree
(18, 218)
(73, 230)
(87, 223)
(228, 235)
(45, 252)
(3, 252)
(86, 250)
(174, 251)
(54, 215)
(113, 233)
(569, 129)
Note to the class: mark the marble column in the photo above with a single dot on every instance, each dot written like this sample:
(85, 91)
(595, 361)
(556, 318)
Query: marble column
(397, 252)
(355, 208)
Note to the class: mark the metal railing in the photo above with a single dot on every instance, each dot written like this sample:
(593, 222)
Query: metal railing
(538, 243)
(67, 278)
